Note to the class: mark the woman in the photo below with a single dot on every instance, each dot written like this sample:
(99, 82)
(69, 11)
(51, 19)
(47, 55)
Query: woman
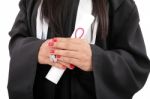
(115, 67)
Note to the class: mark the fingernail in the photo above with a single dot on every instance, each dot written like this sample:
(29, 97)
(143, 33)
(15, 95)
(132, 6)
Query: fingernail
(51, 43)
(55, 39)
(72, 66)
(63, 66)
(58, 56)
(52, 51)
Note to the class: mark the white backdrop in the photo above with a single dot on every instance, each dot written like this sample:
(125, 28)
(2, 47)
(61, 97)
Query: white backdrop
(8, 12)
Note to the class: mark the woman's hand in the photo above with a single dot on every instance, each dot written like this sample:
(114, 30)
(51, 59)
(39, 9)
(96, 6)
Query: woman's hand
(73, 51)
(44, 53)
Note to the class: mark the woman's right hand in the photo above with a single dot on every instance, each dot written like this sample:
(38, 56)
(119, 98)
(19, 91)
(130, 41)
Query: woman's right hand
(44, 53)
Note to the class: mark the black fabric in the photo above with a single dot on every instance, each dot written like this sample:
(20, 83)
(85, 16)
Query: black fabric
(120, 64)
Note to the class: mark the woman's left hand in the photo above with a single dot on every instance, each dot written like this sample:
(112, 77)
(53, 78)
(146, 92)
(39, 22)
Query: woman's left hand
(73, 51)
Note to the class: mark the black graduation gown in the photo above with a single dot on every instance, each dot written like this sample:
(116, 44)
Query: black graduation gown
(120, 64)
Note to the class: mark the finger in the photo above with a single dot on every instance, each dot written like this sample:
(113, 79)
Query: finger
(67, 46)
(72, 40)
(69, 43)
(58, 65)
(70, 66)
(73, 61)
(66, 53)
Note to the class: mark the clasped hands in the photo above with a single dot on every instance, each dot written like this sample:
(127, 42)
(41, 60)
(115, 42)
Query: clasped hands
(70, 53)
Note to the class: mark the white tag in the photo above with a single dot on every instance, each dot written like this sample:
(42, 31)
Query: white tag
(55, 74)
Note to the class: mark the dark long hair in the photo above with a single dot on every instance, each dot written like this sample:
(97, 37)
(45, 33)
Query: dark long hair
(53, 10)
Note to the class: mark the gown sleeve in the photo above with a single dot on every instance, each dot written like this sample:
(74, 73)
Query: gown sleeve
(23, 50)
(123, 69)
